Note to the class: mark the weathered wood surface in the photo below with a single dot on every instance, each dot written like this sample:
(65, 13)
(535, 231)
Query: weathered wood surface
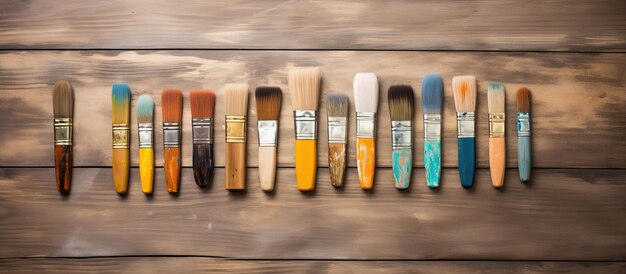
(578, 114)
(405, 25)
(562, 215)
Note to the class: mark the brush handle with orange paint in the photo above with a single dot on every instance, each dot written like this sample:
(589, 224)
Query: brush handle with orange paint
(235, 166)
(171, 166)
(63, 167)
(146, 169)
(366, 148)
(121, 167)
(306, 164)
(497, 150)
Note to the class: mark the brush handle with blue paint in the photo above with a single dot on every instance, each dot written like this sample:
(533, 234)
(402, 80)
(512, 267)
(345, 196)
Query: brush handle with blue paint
(432, 162)
(523, 146)
(402, 167)
(467, 161)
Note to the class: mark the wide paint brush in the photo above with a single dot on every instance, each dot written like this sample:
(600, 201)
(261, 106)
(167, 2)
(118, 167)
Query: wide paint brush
(236, 127)
(63, 108)
(401, 104)
(432, 99)
(268, 101)
(145, 120)
(121, 137)
(172, 110)
(497, 150)
(365, 87)
(337, 106)
(523, 134)
(202, 108)
(464, 89)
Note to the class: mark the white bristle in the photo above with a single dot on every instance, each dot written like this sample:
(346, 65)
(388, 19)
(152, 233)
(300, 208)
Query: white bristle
(365, 92)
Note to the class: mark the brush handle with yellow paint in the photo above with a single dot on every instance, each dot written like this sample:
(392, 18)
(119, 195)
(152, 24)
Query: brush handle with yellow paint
(337, 163)
(306, 164)
(171, 166)
(267, 168)
(146, 169)
(497, 158)
(366, 161)
(121, 166)
(235, 166)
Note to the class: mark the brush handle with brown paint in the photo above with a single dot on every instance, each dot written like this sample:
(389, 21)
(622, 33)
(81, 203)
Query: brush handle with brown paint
(203, 164)
(337, 163)
(171, 166)
(235, 166)
(497, 157)
(267, 168)
(63, 167)
(121, 166)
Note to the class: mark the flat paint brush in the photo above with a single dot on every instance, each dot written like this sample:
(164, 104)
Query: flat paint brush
(464, 89)
(236, 127)
(268, 101)
(121, 137)
(432, 102)
(172, 110)
(202, 110)
(304, 87)
(63, 108)
(366, 104)
(401, 104)
(497, 150)
(145, 126)
(523, 134)
(337, 106)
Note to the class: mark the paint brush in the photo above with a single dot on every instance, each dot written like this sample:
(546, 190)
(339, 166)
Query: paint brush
(236, 126)
(497, 150)
(268, 101)
(304, 86)
(172, 110)
(145, 120)
(365, 87)
(464, 89)
(63, 109)
(337, 106)
(401, 104)
(202, 109)
(121, 137)
(523, 134)
(432, 102)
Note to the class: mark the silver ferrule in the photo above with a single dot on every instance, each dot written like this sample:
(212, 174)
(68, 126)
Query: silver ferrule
(337, 130)
(145, 135)
(63, 131)
(496, 124)
(120, 136)
(401, 134)
(366, 124)
(306, 124)
(236, 128)
(202, 130)
(171, 134)
(523, 124)
(268, 133)
(432, 127)
(465, 124)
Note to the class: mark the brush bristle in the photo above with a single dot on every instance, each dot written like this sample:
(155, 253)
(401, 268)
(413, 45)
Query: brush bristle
(523, 100)
(172, 105)
(432, 93)
(63, 99)
(304, 85)
(495, 97)
(268, 100)
(401, 103)
(464, 88)
(145, 109)
(365, 92)
(236, 99)
(337, 105)
(121, 104)
(202, 103)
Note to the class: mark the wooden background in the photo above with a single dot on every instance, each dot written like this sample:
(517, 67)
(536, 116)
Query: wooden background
(570, 54)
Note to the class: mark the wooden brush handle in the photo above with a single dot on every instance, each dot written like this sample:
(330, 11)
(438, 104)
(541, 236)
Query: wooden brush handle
(63, 167)
(467, 161)
(267, 168)
(337, 163)
(306, 164)
(524, 158)
(432, 163)
(121, 165)
(497, 156)
(203, 164)
(366, 161)
(146, 169)
(171, 166)
(235, 166)
(402, 162)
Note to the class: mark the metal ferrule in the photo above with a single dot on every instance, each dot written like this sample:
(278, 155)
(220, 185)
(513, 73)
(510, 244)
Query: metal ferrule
(401, 134)
(145, 135)
(337, 130)
(63, 131)
(235, 129)
(465, 124)
(202, 130)
(120, 136)
(496, 124)
(366, 124)
(306, 124)
(268, 133)
(432, 127)
(523, 124)
(171, 134)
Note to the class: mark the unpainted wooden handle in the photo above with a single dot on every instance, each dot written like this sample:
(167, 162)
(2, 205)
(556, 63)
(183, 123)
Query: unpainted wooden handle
(146, 169)
(497, 156)
(171, 167)
(63, 167)
(203, 164)
(235, 166)
(366, 161)
(306, 164)
(337, 164)
(120, 166)
(267, 168)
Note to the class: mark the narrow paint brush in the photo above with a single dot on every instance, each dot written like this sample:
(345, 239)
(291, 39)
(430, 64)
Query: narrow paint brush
(268, 101)
(304, 86)
(63, 108)
(432, 102)
(236, 126)
(366, 104)
(145, 120)
(497, 150)
(121, 137)
(337, 106)
(172, 110)
(401, 104)
(464, 89)
(202, 109)
(523, 134)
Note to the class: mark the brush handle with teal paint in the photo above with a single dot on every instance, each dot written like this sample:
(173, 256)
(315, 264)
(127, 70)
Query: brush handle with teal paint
(523, 146)
(432, 162)
(402, 167)
(467, 161)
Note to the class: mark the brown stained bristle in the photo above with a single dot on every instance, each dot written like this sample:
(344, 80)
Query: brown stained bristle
(172, 105)
(401, 103)
(63, 99)
(202, 103)
(236, 99)
(523, 100)
(464, 89)
(304, 86)
(337, 105)
(268, 100)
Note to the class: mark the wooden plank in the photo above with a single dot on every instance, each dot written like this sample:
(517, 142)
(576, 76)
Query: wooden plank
(246, 24)
(578, 115)
(565, 214)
